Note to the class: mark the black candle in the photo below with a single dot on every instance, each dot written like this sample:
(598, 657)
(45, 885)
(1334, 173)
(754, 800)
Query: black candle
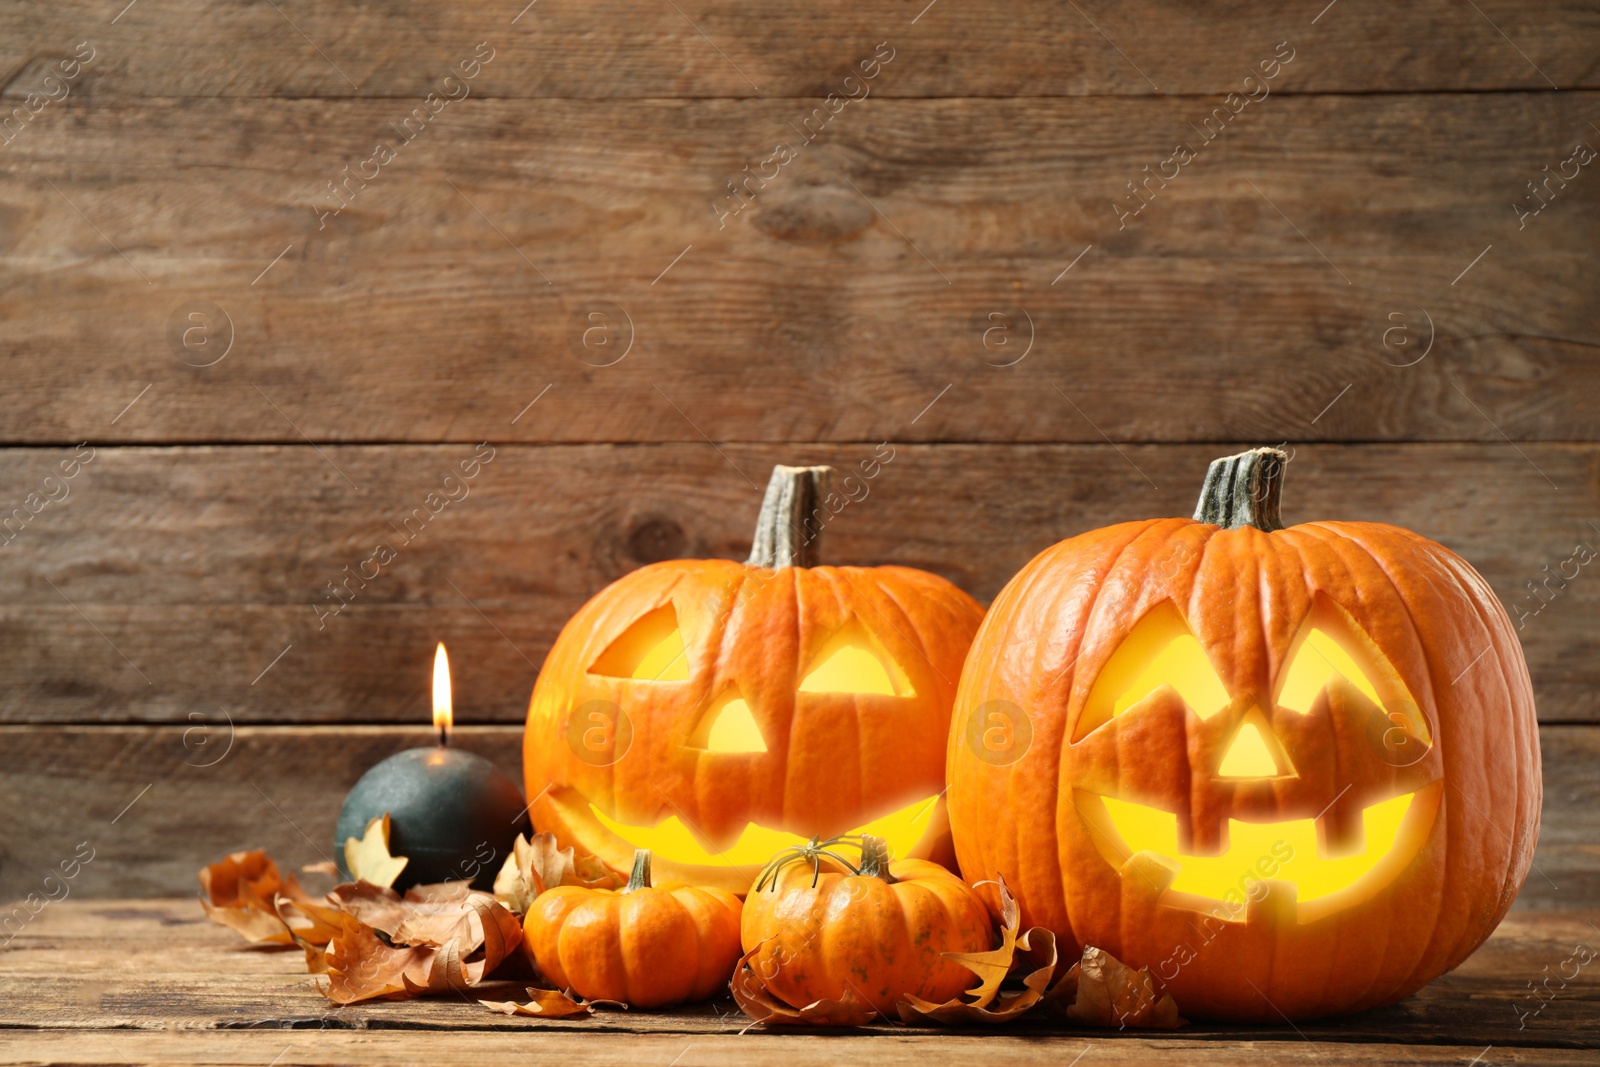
(452, 814)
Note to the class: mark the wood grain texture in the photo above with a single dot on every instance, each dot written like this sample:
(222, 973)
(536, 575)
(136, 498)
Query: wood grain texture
(627, 48)
(157, 803)
(920, 1049)
(169, 580)
(914, 245)
(200, 992)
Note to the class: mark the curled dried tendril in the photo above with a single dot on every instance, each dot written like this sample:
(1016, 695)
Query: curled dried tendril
(811, 852)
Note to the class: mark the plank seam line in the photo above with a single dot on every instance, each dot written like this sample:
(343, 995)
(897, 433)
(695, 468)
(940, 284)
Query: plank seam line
(1569, 90)
(1409, 442)
(396, 1026)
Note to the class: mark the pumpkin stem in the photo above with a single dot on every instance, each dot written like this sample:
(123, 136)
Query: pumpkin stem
(875, 858)
(640, 878)
(1244, 490)
(789, 529)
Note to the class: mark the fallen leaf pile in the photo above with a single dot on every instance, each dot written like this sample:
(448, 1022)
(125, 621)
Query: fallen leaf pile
(750, 993)
(1013, 979)
(537, 865)
(435, 939)
(1101, 990)
(365, 941)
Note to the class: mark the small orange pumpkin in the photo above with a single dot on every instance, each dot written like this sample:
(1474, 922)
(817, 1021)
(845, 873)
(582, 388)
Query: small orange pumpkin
(817, 927)
(642, 945)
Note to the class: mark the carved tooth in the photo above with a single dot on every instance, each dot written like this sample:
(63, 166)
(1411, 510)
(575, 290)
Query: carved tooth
(1276, 908)
(1341, 830)
(1208, 832)
(1146, 876)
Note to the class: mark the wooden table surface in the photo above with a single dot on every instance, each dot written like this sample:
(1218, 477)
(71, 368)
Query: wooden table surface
(99, 981)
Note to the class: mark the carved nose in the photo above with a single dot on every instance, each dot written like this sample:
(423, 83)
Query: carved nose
(1253, 752)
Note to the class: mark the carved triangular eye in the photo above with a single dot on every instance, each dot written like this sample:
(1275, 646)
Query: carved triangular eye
(649, 650)
(853, 662)
(1331, 644)
(730, 726)
(1159, 652)
(1312, 665)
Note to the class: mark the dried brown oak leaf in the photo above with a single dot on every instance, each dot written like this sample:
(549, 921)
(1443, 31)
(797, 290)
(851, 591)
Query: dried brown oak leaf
(367, 857)
(1102, 991)
(435, 938)
(241, 892)
(366, 941)
(1033, 953)
(433, 915)
(358, 965)
(750, 993)
(309, 920)
(547, 1003)
(539, 864)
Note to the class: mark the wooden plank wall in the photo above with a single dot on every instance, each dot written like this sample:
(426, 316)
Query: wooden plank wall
(259, 305)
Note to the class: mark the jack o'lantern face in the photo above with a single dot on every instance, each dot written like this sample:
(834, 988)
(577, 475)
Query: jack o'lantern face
(1291, 770)
(851, 664)
(745, 718)
(1332, 771)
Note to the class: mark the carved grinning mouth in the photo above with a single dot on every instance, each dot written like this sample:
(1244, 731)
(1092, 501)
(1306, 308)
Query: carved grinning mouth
(673, 841)
(1287, 854)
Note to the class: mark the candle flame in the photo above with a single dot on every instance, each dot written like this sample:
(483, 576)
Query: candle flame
(442, 715)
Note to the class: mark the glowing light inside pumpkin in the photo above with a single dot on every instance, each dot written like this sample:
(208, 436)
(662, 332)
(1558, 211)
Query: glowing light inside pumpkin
(650, 650)
(1285, 851)
(1313, 665)
(671, 840)
(1249, 756)
(443, 717)
(1159, 651)
(851, 663)
(729, 727)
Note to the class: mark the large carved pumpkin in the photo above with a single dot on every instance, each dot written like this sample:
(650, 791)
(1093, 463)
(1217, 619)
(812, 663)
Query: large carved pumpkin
(1294, 772)
(716, 712)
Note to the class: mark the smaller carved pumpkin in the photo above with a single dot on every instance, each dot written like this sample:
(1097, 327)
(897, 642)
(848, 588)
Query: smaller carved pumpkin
(714, 712)
(642, 945)
(820, 928)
